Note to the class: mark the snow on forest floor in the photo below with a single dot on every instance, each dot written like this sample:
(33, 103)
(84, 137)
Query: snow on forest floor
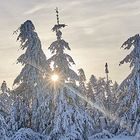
(120, 138)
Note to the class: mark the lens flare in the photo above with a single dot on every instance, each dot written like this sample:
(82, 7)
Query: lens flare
(54, 77)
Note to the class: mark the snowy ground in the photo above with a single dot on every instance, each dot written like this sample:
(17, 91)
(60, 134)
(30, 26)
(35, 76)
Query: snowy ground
(120, 138)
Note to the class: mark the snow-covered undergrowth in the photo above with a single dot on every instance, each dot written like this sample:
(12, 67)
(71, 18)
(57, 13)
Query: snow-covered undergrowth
(104, 134)
(118, 138)
(3, 129)
(27, 134)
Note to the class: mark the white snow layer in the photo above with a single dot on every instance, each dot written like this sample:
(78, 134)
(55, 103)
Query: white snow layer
(117, 138)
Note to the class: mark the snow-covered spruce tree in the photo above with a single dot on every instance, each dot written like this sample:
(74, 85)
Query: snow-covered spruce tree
(30, 81)
(20, 115)
(92, 87)
(98, 97)
(4, 87)
(129, 109)
(82, 79)
(44, 115)
(34, 60)
(115, 87)
(5, 103)
(113, 97)
(90, 93)
(70, 121)
(110, 102)
(97, 89)
(82, 86)
(100, 92)
(112, 106)
(104, 95)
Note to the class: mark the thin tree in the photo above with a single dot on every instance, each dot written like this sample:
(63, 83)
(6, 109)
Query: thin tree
(70, 120)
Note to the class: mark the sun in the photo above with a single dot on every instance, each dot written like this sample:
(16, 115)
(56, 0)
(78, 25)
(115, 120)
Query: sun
(54, 77)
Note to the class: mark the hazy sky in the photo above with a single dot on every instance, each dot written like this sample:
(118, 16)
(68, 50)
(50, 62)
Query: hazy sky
(96, 29)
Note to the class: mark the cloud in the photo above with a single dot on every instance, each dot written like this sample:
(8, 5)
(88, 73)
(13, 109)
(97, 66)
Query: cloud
(35, 9)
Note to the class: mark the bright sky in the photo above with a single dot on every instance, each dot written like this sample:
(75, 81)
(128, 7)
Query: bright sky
(96, 29)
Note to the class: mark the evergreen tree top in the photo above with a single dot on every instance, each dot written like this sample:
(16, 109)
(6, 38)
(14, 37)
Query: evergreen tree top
(34, 59)
(58, 26)
(82, 75)
(27, 26)
(61, 60)
(134, 55)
